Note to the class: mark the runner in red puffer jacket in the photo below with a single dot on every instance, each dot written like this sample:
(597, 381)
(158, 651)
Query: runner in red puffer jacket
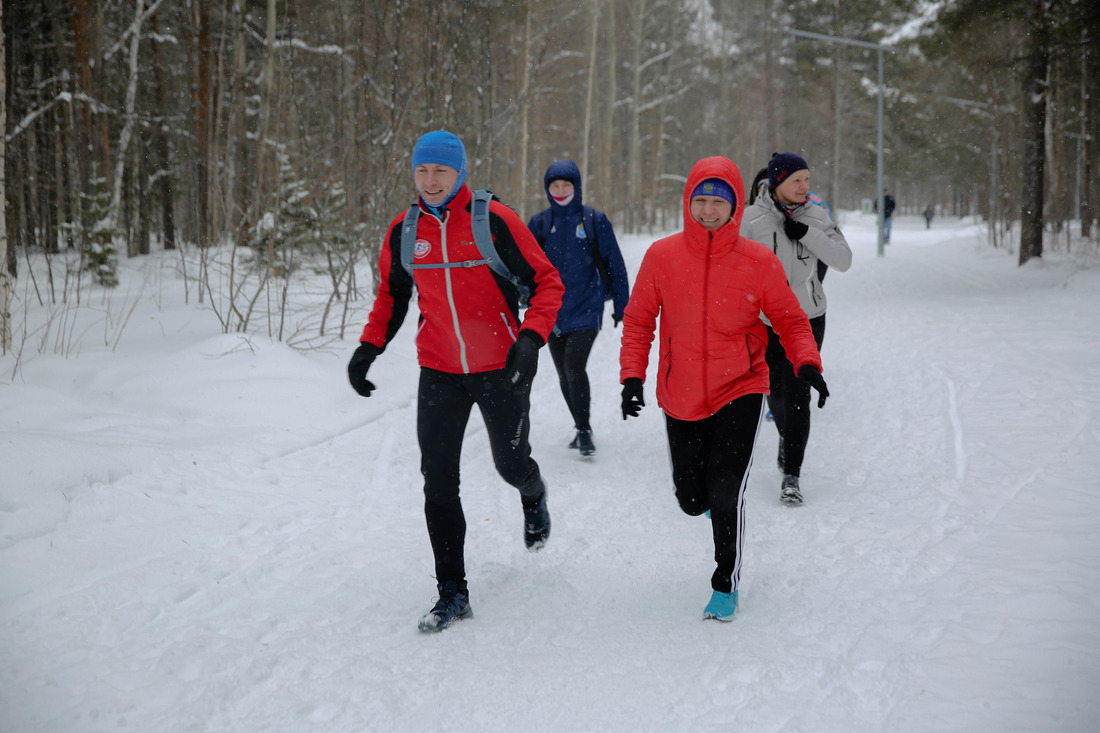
(709, 285)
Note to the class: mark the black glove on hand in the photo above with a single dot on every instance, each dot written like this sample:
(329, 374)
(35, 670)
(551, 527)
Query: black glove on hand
(633, 401)
(795, 230)
(522, 361)
(358, 367)
(810, 373)
(616, 319)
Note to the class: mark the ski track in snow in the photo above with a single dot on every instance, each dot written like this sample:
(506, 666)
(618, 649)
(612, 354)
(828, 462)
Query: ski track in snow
(197, 536)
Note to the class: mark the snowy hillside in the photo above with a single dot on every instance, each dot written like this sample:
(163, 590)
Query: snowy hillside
(207, 532)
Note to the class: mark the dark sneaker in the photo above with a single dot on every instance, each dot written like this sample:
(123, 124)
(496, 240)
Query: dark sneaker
(574, 444)
(790, 494)
(584, 443)
(453, 605)
(536, 525)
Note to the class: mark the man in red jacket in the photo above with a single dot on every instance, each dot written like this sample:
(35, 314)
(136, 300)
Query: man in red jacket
(709, 285)
(473, 349)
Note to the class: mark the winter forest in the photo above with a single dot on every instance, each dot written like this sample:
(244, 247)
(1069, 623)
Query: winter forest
(273, 137)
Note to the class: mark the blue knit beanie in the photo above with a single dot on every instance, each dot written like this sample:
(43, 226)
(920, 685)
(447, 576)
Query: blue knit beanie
(782, 165)
(442, 148)
(715, 187)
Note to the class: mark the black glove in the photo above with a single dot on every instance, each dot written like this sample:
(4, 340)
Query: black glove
(616, 319)
(522, 361)
(633, 401)
(810, 373)
(795, 230)
(358, 367)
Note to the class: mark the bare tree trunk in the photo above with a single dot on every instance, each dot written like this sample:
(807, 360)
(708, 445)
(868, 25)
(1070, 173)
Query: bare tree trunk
(525, 109)
(1036, 93)
(771, 129)
(634, 172)
(592, 49)
(128, 118)
(160, 142)
(838, 127)
(525, 112)
(201, 61)
(5, 276)
(608, 136)
(266, 150)
(1084, 195)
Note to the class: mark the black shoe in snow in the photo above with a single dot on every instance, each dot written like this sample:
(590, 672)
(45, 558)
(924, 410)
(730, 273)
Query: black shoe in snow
(536, 524)
(574, 445)
(790, 494)
(585, 444)
(453, 605)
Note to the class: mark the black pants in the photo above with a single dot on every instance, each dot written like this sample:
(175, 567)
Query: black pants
(789, 400)
(710, 469)
(570, 353)
(444, 403)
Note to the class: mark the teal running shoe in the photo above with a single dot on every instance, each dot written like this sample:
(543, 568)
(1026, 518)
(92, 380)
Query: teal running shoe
(722, 606)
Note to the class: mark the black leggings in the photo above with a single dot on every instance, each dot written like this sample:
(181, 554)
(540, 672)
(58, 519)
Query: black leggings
(444, 403)
(789, 400)
(710, 469)
(570, 353)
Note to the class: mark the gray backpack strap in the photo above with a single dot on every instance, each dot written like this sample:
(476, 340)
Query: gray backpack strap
(483, 239)
(408, 237)
(408, 246)
(483, 236)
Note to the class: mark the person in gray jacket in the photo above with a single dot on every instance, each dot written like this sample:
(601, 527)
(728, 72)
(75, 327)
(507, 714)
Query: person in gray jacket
(802, 234)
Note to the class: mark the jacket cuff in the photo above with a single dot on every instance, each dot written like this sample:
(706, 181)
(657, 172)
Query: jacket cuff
(533, 336)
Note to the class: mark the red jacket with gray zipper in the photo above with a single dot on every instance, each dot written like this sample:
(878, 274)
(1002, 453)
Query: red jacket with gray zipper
(709, 288)
(469, 316)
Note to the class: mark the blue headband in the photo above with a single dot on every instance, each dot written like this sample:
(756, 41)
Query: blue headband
(715, 187)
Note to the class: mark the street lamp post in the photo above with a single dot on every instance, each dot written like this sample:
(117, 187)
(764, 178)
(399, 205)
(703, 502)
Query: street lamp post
(880, 48)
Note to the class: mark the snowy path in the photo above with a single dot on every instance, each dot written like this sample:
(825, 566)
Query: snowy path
(198, 536)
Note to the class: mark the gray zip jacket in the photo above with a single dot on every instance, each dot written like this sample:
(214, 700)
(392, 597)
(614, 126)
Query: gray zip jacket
(763, 222)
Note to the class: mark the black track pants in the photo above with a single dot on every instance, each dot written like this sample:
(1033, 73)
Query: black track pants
(789, 400)
(710, 469)
(444, 403)
(570, 353)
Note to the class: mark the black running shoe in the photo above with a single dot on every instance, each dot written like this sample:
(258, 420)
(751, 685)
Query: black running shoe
(453, 605)
(536, 525)
(790, 494)
(584, 443)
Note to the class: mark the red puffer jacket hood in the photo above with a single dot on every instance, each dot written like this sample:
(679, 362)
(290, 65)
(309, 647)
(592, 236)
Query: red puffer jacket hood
(696, 234)
(708, 289)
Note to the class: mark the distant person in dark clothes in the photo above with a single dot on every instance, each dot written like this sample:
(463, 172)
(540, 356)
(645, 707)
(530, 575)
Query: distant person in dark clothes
(887, 214)
(802, 235)
(928, 214)
(473, 349)
(580, 242)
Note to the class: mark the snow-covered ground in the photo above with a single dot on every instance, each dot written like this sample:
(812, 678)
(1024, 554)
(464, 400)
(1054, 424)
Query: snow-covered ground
(208, 532)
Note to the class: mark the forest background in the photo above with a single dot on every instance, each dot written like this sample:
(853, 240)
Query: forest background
(262, 138)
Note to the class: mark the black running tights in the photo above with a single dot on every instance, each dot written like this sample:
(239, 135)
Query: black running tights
(710, 469)
(789, 400)
(444, 404)
(570, 353)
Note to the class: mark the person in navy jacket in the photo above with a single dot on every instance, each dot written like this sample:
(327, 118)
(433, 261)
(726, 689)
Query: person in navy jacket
(572, 235)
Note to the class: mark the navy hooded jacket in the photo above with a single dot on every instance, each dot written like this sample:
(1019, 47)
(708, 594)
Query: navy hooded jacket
(560, 230)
